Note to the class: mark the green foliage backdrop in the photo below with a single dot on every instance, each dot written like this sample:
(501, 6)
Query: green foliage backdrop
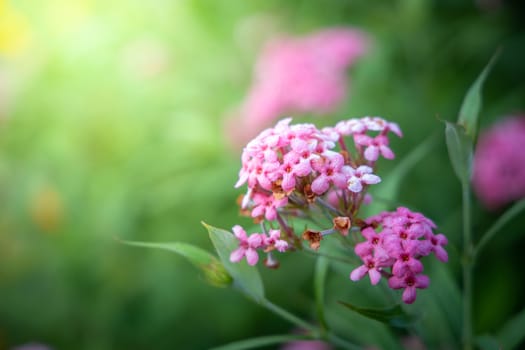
(111, 126)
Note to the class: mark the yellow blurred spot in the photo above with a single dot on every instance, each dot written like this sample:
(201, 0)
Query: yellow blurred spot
(47, 209)
(14, 31)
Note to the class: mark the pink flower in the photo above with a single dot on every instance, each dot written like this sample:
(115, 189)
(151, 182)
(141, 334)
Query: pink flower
(299, 75)
(247, 246)
(267, 205)
(331, 170)
(374, 146)
(273, 240)
(396, 251)
(409, 282)
(372, 266)
(360, 177)
(499, 163)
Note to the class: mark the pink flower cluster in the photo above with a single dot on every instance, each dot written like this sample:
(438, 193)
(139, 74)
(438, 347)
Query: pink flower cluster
(499, 163)
(301, 161)
(298, 170)
(248, 245)
(299, 75)
(394, 244)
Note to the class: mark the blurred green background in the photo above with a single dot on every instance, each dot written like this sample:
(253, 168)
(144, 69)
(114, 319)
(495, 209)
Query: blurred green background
(111, 125)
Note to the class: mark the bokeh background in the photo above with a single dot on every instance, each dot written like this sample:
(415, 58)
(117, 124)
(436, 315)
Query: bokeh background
(112, 125)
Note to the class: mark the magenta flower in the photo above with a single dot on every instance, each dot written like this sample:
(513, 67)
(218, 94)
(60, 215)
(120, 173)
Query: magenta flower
(409, 282)
(372, 266)
(247, 246)
(404, 238)
(499, 163)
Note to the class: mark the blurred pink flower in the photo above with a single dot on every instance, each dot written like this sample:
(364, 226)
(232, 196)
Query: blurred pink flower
(307, 345)
(499, 163)
(297, 75)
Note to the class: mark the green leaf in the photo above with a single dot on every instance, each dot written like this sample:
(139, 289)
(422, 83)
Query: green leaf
(245, 277)
(502, 220)
(460, 150)
(487, 342)
(261, 341)
(513, 332)
(394, 316)
(214, 271)
(471, 106)
(321, 269)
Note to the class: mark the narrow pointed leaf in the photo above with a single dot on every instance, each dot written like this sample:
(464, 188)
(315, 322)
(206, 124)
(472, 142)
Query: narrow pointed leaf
(214, 271)
(321, 269)
(460, 150)
(512, 212)
(259, 342)
(245, 277)
(394, 316)
(487, 342)
(471, 106)
(513, 332)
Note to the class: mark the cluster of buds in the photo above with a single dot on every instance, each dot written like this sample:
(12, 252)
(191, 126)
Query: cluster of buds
(300, 171)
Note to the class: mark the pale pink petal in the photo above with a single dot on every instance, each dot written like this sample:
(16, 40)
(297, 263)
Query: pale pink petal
(237, 255)
(258, 211)
(288, 182)
(386, 152)
(239, 232)
(422, 281)
(354, 185)
(409, 295)
(251, 256)
(441, 253)
(281, 245)
(371, 153)
(370, 179)
(395, 282)
(358, 273)
(363, 249)
(375, 276)
(255, 240)
(320, 184)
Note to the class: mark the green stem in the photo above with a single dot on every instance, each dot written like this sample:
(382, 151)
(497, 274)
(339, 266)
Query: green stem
(315, 331)
(467, 268)
(291, 317)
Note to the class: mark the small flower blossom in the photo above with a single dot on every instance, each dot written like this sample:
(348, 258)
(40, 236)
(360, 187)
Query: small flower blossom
(372, 266)
(273, 241)
(247, 246)
(374, 146)
(361, 176)
(409, 282)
